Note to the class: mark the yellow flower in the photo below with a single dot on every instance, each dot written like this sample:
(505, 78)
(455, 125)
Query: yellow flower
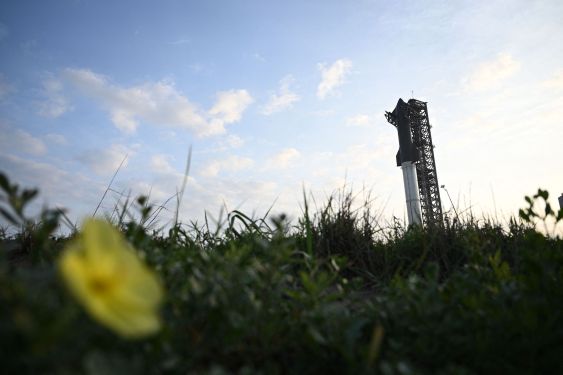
(111, 282)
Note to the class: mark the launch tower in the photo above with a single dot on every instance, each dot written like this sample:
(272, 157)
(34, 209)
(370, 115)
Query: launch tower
(411, 121)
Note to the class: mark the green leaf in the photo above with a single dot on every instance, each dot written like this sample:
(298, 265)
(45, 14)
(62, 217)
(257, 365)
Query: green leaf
(142, 200)
(8, 216)
(308, 283)
(5, 183)
(375, 344)
(316, 335)
(28, 195)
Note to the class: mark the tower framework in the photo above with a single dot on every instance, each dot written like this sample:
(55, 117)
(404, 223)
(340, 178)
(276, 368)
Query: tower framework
(427, 177)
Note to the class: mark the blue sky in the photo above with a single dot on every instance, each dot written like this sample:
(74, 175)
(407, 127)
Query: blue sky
(274, 96)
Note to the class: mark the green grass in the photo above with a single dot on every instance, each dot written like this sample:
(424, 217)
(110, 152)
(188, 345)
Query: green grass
(335, 292)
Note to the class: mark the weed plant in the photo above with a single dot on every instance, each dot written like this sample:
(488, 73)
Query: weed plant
(337, 292)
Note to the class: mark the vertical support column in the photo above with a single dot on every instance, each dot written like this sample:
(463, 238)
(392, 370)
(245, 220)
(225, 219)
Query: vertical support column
(411, 193)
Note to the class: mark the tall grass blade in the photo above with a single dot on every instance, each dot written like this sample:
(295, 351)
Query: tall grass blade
(109, 186)
(183, 188)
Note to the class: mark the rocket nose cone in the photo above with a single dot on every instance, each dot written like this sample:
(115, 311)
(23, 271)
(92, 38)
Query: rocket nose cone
(398, 107)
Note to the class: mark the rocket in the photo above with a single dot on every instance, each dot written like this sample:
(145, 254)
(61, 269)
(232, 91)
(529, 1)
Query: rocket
(406, 158)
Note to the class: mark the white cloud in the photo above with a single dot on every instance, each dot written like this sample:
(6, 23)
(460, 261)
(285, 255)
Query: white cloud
(57, 186)
(58, 139)
(159, 104)
(361, 120)
(213, 197)
(25, 141)
(222, 144)
(283, 99)
(211, 169)
(106, 161)
(490, 74)
(359, 161)
(124, 121)
(160, 163)
(333, 76)
(230, 105)
(17, 140)
(233, 163)
(283, 159)
(164, 184)
(259, 57)
(5, 87)
(234, 141)
(555, 82)
(54, 104)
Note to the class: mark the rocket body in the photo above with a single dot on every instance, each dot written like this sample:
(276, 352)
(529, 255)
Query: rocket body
(406, 158)
(411, 193)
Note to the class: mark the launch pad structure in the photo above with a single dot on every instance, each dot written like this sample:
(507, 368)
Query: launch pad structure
(411, 121)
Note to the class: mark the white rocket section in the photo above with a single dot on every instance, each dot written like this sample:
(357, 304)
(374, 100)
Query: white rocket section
(411, 193)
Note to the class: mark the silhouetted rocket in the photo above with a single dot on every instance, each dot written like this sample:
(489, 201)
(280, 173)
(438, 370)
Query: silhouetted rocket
(406, 158)
(407, 150)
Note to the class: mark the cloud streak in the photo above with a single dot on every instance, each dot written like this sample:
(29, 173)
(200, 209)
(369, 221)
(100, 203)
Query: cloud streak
(232, 163)
(106, 161)
(160, 163)
(332, 77)
(5, 88)
(555, 82)
(55, 103)
(490, 74)
(18, 141)
(283, 99)
(159, 104)
(283, 159)
(361, 120)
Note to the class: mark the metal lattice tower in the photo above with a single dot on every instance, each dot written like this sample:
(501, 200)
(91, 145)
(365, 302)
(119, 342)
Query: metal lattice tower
(427, 176)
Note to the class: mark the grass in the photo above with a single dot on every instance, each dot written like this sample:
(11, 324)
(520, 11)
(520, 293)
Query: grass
(335, 292)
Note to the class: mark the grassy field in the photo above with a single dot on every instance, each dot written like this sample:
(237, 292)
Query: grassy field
(333, 292)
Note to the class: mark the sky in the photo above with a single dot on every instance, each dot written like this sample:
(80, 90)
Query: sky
(276, 98)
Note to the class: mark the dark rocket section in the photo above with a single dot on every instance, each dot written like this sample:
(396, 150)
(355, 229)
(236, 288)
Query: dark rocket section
(415, 146)
(399, 118)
